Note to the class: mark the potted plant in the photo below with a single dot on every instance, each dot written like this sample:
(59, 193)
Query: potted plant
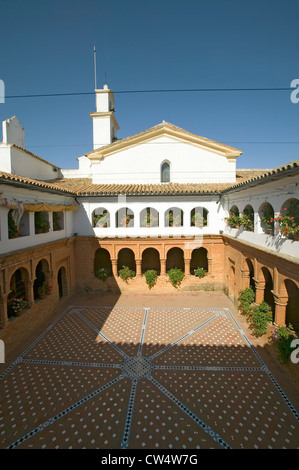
(13, 230)
(247, 219)
(234, 220)
(44, 290)
(268, 218)
(56, 221)
(100, 220)
(288, 220)
(197, 220)
(18, 306)
(126, 273)
(126, 220)
(149, 220)
(41, 223)
(173, 221)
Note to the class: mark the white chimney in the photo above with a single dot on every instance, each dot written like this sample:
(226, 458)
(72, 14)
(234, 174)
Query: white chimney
(13, 133)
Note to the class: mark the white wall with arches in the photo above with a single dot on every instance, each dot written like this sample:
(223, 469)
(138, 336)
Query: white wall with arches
(276, 193)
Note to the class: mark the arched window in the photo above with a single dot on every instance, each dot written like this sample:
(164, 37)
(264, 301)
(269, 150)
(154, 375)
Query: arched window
(101, 218)
(165, 172)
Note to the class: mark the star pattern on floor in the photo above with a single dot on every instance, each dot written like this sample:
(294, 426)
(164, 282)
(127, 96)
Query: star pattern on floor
(144, 378)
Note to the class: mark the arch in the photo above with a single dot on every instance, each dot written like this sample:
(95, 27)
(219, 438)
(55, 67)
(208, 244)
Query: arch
(165, 172)
(233, 219)
(124, 218)
(199, 259)
(292, 312)
(266, 214)
(248, 218)
(102, 260)
(175, 259)
(149, 217)
(150, 260)
(289, 218)
(268, 294)
(62, 282)
(100, 218)
(18, 288)
(126, 257)
(231, 281)
(235, 210)
(199, 217)
(174, 217)
(41, 278)
(249, 270)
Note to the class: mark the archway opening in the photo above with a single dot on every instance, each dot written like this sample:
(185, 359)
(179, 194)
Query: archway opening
(199, 217)
(199, 259)
(292, 312)
(126, 257)
(62, 282)
(250, 273)
(174, 217)
(17, 289)
(150, 260)
(40, 282)
(268, 294)
(101, 218)
(266, 213)
(175, 259)
(102, 262)
(124, 218)
(149, 217)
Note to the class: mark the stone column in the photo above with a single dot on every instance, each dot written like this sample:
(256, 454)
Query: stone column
(245, 280)
(114, 267)
(29, 292)
(187, 267)
(163, 267)
(259, 291)
(280, 310)
(3, 311)
(138, 267)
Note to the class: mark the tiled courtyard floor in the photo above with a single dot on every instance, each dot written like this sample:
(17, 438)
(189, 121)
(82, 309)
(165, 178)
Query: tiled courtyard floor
(156, 377)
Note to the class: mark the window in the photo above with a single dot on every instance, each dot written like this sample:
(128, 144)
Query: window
(165, 173)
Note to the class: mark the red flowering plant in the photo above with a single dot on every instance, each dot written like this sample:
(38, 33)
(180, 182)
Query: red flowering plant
(101, 220)
(234, 220)
(126, 220)
(150, 220)
(197, 220)
(173, 221)
(288, 220)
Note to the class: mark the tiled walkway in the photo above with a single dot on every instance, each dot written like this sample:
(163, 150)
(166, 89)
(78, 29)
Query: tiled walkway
(144, 378)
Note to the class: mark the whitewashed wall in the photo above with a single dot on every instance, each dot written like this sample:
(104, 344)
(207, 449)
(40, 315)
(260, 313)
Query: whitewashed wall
(83, 219)
(276, 193)
(8, 245)
(142, 164)
(18, 162)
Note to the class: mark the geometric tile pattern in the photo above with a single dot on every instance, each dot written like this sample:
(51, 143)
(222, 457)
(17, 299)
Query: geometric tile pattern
(144, 378)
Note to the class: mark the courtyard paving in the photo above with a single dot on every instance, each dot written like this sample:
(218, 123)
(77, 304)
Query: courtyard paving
(161, 376)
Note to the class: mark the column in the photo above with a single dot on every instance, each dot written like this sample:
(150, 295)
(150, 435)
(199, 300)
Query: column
(187, 267)
(259, 291)
(29, 292)
(280, 310)
(114, 267)
(3, 311)
(163, 267)
(138, 267)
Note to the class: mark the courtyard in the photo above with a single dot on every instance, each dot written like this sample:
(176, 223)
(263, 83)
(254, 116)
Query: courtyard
(157, 372)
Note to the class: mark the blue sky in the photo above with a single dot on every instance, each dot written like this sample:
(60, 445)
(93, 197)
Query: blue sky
(47, 47)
